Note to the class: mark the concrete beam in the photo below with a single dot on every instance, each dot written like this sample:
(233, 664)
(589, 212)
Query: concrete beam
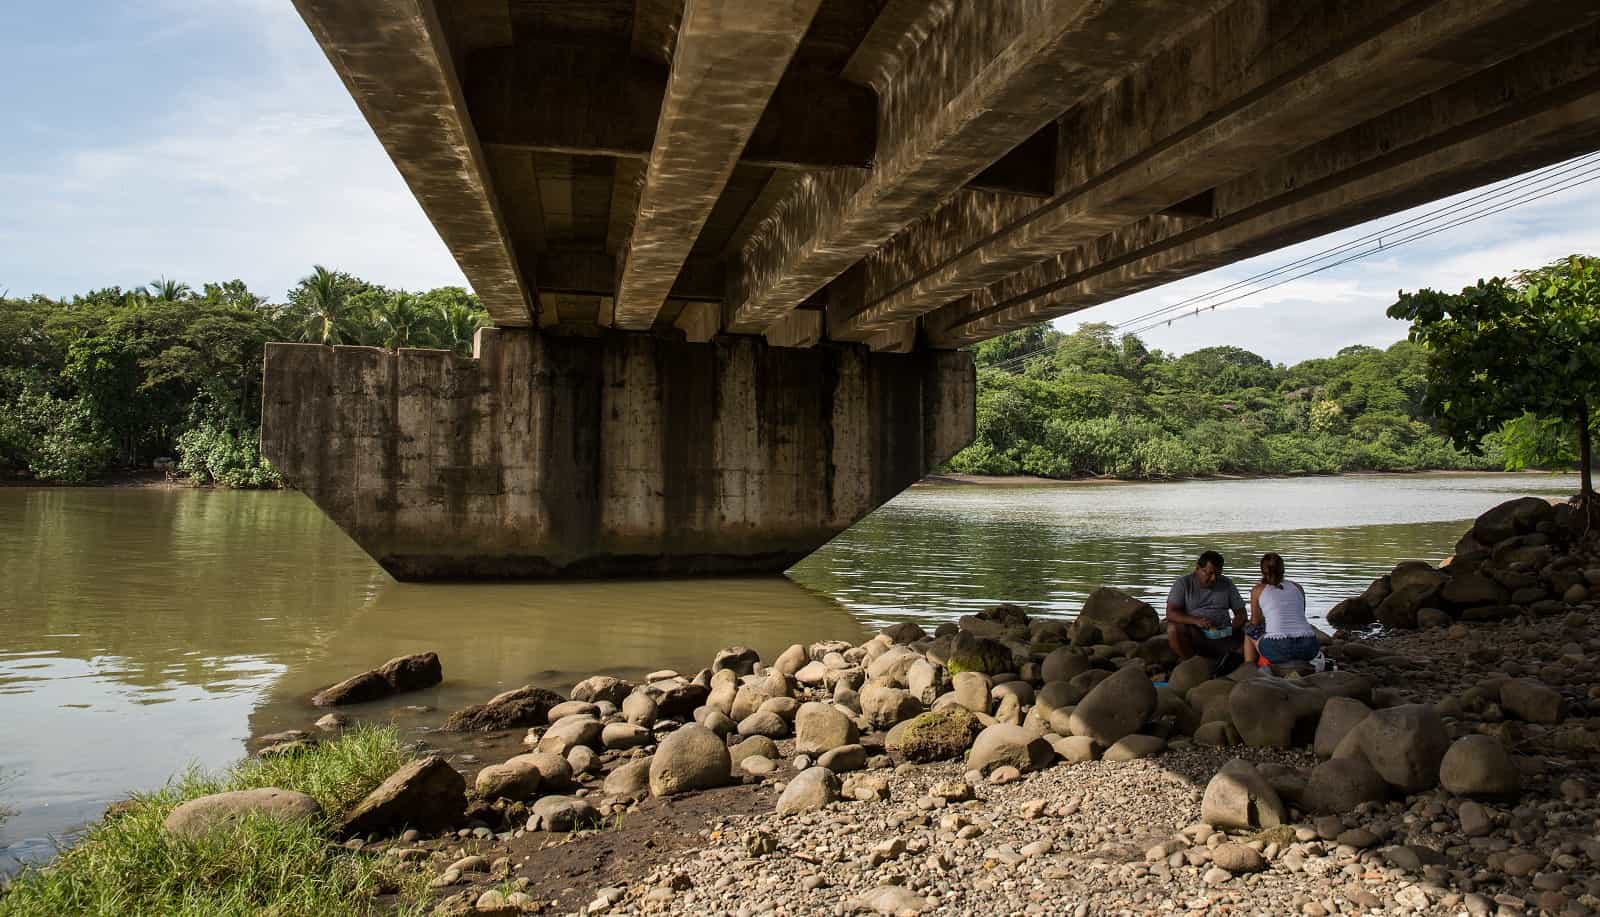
(613, 455)
(728, 61)
(984, 79)
(1226, 101)
(393, 58)
(1537, 109)
(580, 100)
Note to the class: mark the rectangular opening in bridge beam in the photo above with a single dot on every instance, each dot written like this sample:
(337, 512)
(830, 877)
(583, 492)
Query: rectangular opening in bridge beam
(578, 99)
(1029, 170)
(595, 273)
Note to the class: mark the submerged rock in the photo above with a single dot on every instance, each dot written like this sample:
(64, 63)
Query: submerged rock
(398, 675)
(520, 708)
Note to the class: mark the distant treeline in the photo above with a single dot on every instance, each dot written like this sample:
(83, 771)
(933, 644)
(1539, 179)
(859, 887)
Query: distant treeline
(114, 379)
(1091, 403)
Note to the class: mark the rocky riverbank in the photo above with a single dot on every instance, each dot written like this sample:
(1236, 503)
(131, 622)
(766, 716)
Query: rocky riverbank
(1009, 765)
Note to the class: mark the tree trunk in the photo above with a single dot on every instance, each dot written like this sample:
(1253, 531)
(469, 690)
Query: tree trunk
(1585, 457)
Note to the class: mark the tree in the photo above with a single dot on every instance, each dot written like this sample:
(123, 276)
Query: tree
(1501, 349)
(324, 295)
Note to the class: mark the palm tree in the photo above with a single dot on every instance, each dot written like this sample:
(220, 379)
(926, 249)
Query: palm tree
(163, 290)
(399, 317)
(459, 321)
(323, 294)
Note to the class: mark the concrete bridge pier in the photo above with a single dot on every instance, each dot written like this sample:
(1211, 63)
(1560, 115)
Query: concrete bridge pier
(617, 454)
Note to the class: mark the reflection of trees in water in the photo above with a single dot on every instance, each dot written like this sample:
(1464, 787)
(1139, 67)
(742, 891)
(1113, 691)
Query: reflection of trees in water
(174, 585)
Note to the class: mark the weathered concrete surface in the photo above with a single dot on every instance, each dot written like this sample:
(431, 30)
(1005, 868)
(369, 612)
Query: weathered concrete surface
(617, 455)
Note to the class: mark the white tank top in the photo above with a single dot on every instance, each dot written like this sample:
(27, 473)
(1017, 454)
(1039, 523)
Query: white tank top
(1285, 610)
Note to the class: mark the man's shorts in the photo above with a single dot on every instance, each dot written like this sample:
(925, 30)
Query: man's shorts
(1214, 647)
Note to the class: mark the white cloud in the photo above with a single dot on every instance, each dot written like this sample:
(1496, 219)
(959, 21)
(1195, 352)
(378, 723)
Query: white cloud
(257, 175)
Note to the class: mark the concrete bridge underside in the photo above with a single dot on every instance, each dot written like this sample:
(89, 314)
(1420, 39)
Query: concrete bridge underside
(766, 226)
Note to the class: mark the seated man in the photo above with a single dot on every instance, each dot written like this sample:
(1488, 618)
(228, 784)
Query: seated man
(1205, 613)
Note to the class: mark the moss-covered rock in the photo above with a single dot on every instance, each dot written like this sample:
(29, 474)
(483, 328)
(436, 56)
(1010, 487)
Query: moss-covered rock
(969, 653)
(936, 736)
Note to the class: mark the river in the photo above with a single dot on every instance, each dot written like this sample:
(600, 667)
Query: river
(144, 630)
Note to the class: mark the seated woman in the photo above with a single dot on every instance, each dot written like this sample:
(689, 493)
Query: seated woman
(1278, 631)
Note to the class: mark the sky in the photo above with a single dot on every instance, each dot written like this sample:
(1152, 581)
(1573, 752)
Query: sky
(210, 139)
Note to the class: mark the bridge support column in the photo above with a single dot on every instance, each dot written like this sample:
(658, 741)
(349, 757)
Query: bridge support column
(618, 455)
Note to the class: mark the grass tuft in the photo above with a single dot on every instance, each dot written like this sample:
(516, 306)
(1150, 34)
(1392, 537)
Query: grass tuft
(129, 864)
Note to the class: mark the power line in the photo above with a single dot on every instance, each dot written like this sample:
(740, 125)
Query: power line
(1497, 199)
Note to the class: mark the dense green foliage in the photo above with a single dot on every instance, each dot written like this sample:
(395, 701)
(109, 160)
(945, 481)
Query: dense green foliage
(115, 378)
(1521, 356)
(129, 864)
(1090, 403)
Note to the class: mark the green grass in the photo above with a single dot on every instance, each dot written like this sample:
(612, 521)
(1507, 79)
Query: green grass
(130, 865)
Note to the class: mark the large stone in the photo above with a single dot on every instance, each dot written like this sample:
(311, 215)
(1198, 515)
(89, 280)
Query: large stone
(1004, 620)
(1267, 711)
(972, 653)
(971, 690)
(562, 813)
(518, 709)
(1076, 749)
(1339, 716)
(570, 732)
(791, 660)
(904, 632)
(1403, 744)
(640, 709)
(1470, 590)
(811, 789)
(426, 793)
(1478, 765)
(1239, 797)
(1115, 707)
(515, 778)
(891, 666)
(676, 697)
(1531, 701)
(741, 660)
(1399, 610)
(1134, 746)
(225, 810)
(764, 723)
(843, 759)
(1338, 785)
(1112, 616)
(1189, 674)
(691, 758)
(621, 736)
(884, 706)
(598, 688)
(1004, 744)
(631, 779)
(1063, 664)
(923, 680)
(1352, 614)
(819, 727)
(938, 735)
(398, 675)
(1511, 518)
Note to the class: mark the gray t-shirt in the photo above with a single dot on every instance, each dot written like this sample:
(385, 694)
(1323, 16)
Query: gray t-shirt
(1215, 604)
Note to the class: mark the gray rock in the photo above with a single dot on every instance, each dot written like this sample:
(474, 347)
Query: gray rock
(971, 690)
(1237, 859)
(631, 779)
(1063, 664)
(819, 727)
(1189, 674)
(570, 732)
(1266, 711)
(755, 745)
(1531, 701)
(640, 709)
(843, 759)
(1339, 785)
(1339, 716)
(602, 688)
(568, 708)
(741, 660)
(791, 660)
(691, 758)
(938, 735)
(884, 706)
(1475, 820)
(1003, 744)
(225, 810)
(890, 668)
(1404, 744)
(811, 789)
(426, 793)
(1112, 616)
(1076, 749)
(1134, 746)
(398, 675)
(516, 778)
(891, 900)
(1478, 765)
(762, 723)
(625, 735)
(1115, 707)
(519, 708)
(1239, 797)
(562, 813)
